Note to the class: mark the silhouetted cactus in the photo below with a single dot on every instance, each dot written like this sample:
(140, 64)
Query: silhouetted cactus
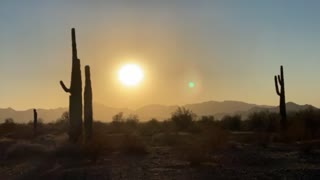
(35, 121)
(280, 79)
(88, 105)
(75, 90)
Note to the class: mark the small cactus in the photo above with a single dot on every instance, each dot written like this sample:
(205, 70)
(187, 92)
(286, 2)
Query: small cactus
(281, 93)
(35, 121)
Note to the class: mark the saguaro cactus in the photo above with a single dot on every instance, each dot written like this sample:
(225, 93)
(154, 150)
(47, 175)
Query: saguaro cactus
(35, 121)
(281, 93)
(88, 105)
(75, 90)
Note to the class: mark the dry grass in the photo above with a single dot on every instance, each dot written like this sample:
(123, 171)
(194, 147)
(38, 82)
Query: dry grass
(26, 150)
(133, 144)
(196, 149)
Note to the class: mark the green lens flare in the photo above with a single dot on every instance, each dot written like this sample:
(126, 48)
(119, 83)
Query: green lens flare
(191, 84)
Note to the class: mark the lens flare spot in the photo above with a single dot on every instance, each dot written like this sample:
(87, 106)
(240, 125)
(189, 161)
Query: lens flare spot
(191, 84)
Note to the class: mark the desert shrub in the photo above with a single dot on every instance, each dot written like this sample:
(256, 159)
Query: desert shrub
(196, 149)
(5, 143)
(47, 140)
(133, 144)
(295, 131)
(25, 131)
(69, 150)
(63, 122)
(120, 124)
(90, 150)
(26, 150)
(183, 118)
(8, 126)
(96, 147)
(132, 121)
(18, 131)
(9, 122)
(215, 138)
(118, 118)
(263, 139)
(232, 123)
(166, 139)
(206, 120)
(168, 126)
(39, 122)
(302, 125)
(263, 121)
(193, 152)
(311, 122)
(150, 128)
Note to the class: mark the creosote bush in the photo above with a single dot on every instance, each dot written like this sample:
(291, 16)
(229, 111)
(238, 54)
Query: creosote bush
(196, 148)
(26, 150)
(183, 119)
(231, 122)
(263, 121)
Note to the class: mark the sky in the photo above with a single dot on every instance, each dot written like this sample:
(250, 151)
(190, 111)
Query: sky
(229, 49)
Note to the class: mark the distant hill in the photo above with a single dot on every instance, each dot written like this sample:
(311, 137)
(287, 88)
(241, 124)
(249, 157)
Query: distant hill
(160, 112)
(46, 115)
(291, 107)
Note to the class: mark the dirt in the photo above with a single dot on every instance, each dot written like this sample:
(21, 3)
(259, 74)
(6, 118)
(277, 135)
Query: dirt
(239, 161)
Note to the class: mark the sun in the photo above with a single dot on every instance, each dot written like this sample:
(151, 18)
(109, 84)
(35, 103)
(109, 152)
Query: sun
(130, 75)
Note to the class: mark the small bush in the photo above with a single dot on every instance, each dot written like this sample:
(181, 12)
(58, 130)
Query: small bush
(232, 123)
(165, 139)
(26, 150)
(132, 144)
(215, 139)
(183, 118)
(196, 149)
(150, 128)
(311, 122)
(192, 152)
(295, 131)
(69, 150)
(206, 120)
(263, 121)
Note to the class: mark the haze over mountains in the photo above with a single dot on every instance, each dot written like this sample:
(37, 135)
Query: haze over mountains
(160, 112)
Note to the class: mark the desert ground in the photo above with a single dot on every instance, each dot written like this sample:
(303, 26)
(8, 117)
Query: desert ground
(155, 150)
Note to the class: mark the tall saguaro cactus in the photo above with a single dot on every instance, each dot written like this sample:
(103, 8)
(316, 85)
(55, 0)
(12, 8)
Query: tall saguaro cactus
(281, 93)
(35, 121)
(75, 90)
(88, 105)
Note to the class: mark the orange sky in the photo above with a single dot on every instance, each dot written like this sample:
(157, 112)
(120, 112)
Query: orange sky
(230, 51)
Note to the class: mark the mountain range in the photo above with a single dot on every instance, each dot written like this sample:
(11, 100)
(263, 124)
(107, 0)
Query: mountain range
(160, 112)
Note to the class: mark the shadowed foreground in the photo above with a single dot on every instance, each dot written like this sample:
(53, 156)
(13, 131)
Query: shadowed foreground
(180, 148)
(161, 163)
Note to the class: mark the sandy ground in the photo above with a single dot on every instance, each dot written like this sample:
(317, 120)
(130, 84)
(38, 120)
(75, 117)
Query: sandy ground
(276, 161)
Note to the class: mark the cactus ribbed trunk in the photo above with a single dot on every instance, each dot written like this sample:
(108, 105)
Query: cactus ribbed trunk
(75, 90)
(35, 121)
(88, 105)
(281, 93)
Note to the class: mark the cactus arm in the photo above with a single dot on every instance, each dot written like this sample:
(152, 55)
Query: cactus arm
(280, 79)
(276, 85)
(64, 87)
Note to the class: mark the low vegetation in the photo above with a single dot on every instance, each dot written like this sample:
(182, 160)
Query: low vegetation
(195, 140)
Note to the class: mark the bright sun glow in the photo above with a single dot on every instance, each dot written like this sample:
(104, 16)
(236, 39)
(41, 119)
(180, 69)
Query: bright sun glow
(130, 75)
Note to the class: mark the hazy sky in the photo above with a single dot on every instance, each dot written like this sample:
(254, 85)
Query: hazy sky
(231, 49)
